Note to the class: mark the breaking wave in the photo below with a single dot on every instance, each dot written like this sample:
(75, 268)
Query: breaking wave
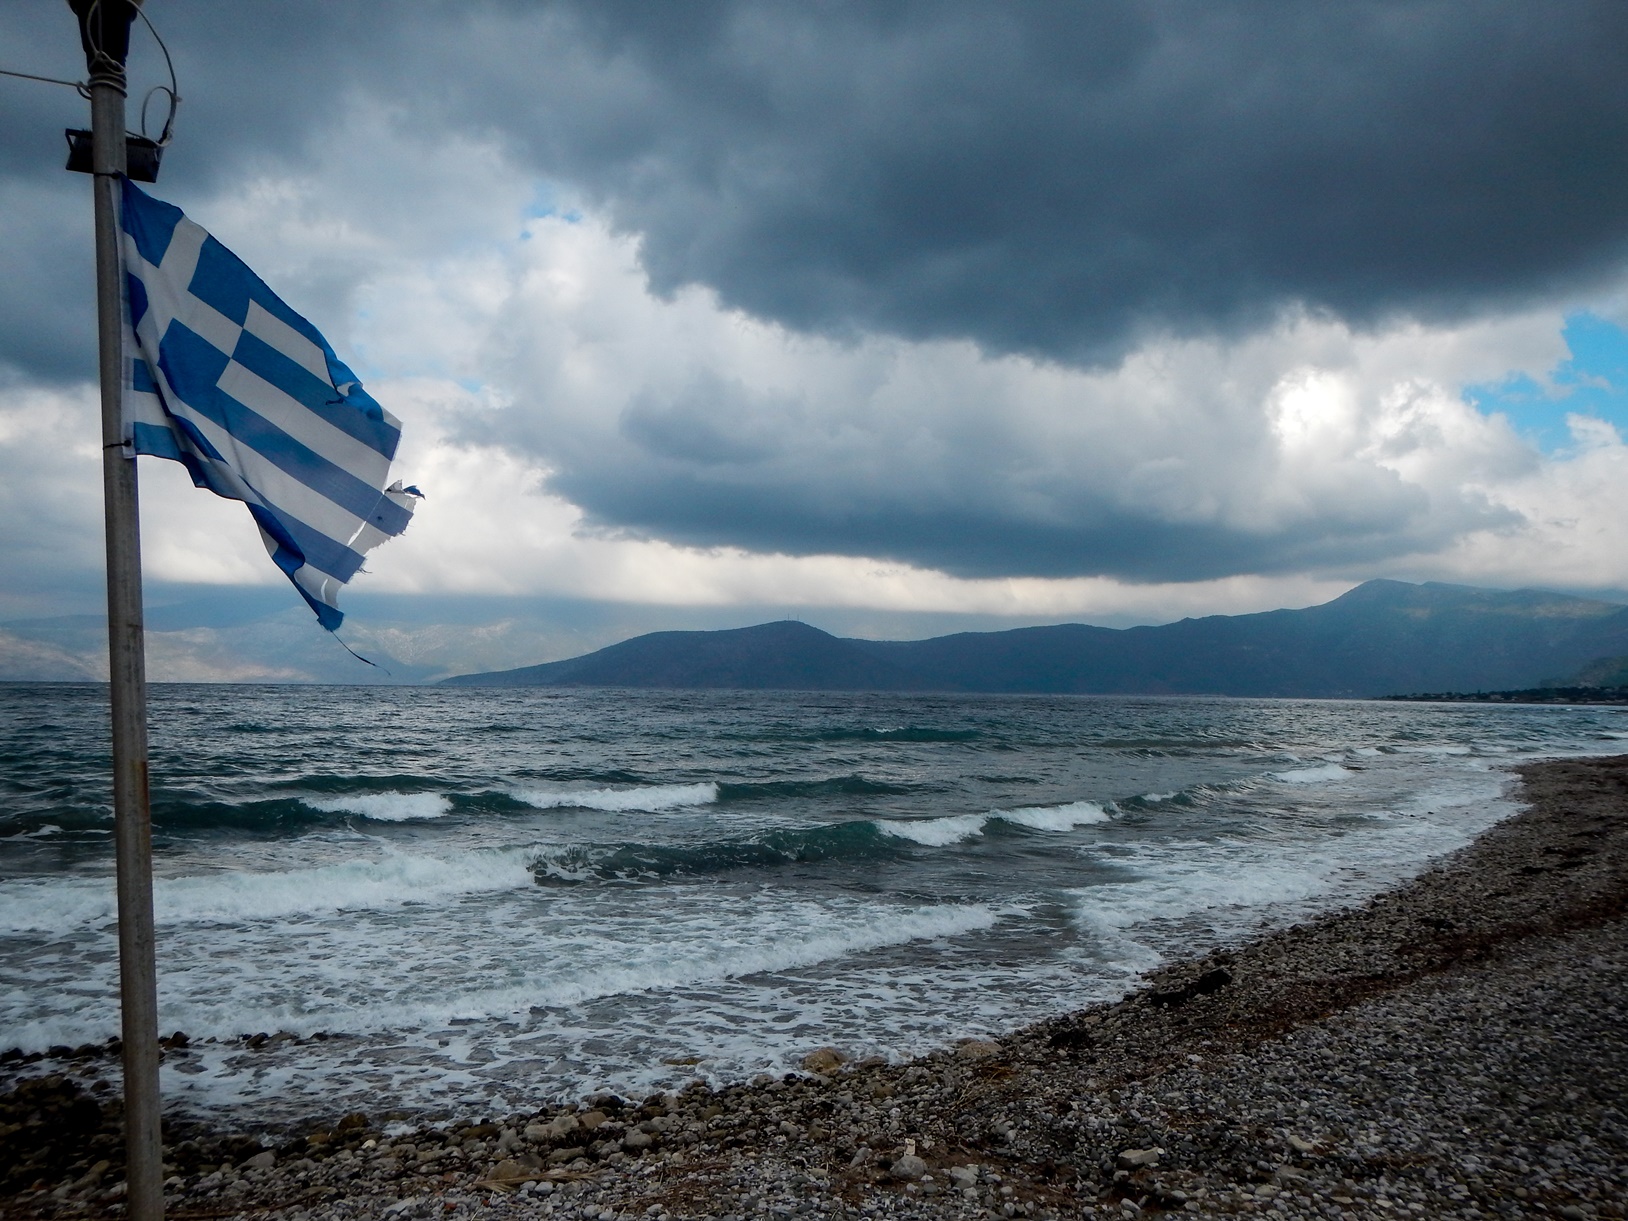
(957, 828)
(1311, 775)
(387, 807)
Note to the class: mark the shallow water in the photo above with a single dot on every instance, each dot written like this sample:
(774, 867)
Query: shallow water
(495, 898)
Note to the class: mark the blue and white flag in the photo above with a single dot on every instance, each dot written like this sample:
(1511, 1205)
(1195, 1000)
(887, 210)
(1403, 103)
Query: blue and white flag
(224, 378)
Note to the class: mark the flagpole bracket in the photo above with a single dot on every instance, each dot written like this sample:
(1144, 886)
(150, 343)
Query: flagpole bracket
(142, 154)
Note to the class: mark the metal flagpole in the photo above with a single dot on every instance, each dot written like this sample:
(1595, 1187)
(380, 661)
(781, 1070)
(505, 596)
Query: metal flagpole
(105, 30)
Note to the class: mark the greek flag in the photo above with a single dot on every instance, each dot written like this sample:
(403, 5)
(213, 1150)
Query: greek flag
(224, 378)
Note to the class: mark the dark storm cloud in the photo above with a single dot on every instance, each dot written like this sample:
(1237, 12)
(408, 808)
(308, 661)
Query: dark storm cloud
(997, 506)
(995, 540)
(1062, 179)
(1047, 178)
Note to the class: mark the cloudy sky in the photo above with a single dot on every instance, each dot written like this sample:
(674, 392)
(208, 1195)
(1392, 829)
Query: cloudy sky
(899, 318)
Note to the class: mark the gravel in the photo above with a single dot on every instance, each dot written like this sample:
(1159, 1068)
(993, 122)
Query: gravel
(1454, 1048)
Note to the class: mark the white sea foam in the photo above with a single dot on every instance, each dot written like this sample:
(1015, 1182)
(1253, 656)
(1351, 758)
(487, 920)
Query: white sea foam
(958, 828)
(1312, 775)
(776, 944)
(1227, 885)
(385, 807)
(233, 896)
(1055, 818)
(672, 945)
(934, 832)
(649, 799)
(1185, 879)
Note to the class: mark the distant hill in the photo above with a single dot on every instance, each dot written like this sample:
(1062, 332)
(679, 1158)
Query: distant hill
(1381, 638)
(780, 656)
(1601, 672)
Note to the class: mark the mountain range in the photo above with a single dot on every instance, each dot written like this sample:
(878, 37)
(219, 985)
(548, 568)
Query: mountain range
(1383, 637)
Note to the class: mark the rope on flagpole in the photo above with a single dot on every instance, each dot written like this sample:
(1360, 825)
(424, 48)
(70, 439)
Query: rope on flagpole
(175, 98)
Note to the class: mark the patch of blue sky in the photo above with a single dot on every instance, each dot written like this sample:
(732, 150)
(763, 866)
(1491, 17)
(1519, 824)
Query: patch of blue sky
(1593, 381)
(545, 202)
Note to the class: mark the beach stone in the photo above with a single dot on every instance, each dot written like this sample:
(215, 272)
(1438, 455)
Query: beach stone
(538, 1133)
(636, 1141)
(264, 1160)
(561, 1157)
(563, 1125)
(977, 1049)
(1136, 1159)
(964, 1176)
(93, 1176)
(824, 1060)
(508, 1171)
(593, 1119)
(356, 1121)
(908, 1167)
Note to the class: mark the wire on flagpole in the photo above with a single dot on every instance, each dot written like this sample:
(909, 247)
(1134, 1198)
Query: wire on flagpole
(81, 86)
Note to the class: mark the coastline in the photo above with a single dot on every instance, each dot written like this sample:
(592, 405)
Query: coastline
(1405, 1058)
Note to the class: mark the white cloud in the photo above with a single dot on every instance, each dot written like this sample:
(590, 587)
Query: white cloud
(1574, 521)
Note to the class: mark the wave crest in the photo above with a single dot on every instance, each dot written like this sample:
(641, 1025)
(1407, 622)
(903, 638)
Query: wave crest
(958, 828)
(1311, 775)
(386, 807)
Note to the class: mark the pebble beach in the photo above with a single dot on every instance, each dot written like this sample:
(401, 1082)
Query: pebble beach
(1452, 1048)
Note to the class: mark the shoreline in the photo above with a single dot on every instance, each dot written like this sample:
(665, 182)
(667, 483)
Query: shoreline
(1146, 1104)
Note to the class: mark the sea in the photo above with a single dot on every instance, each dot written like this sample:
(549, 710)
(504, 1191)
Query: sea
(467, 901)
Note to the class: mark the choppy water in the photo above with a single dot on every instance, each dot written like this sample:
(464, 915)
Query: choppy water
(502, 897)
